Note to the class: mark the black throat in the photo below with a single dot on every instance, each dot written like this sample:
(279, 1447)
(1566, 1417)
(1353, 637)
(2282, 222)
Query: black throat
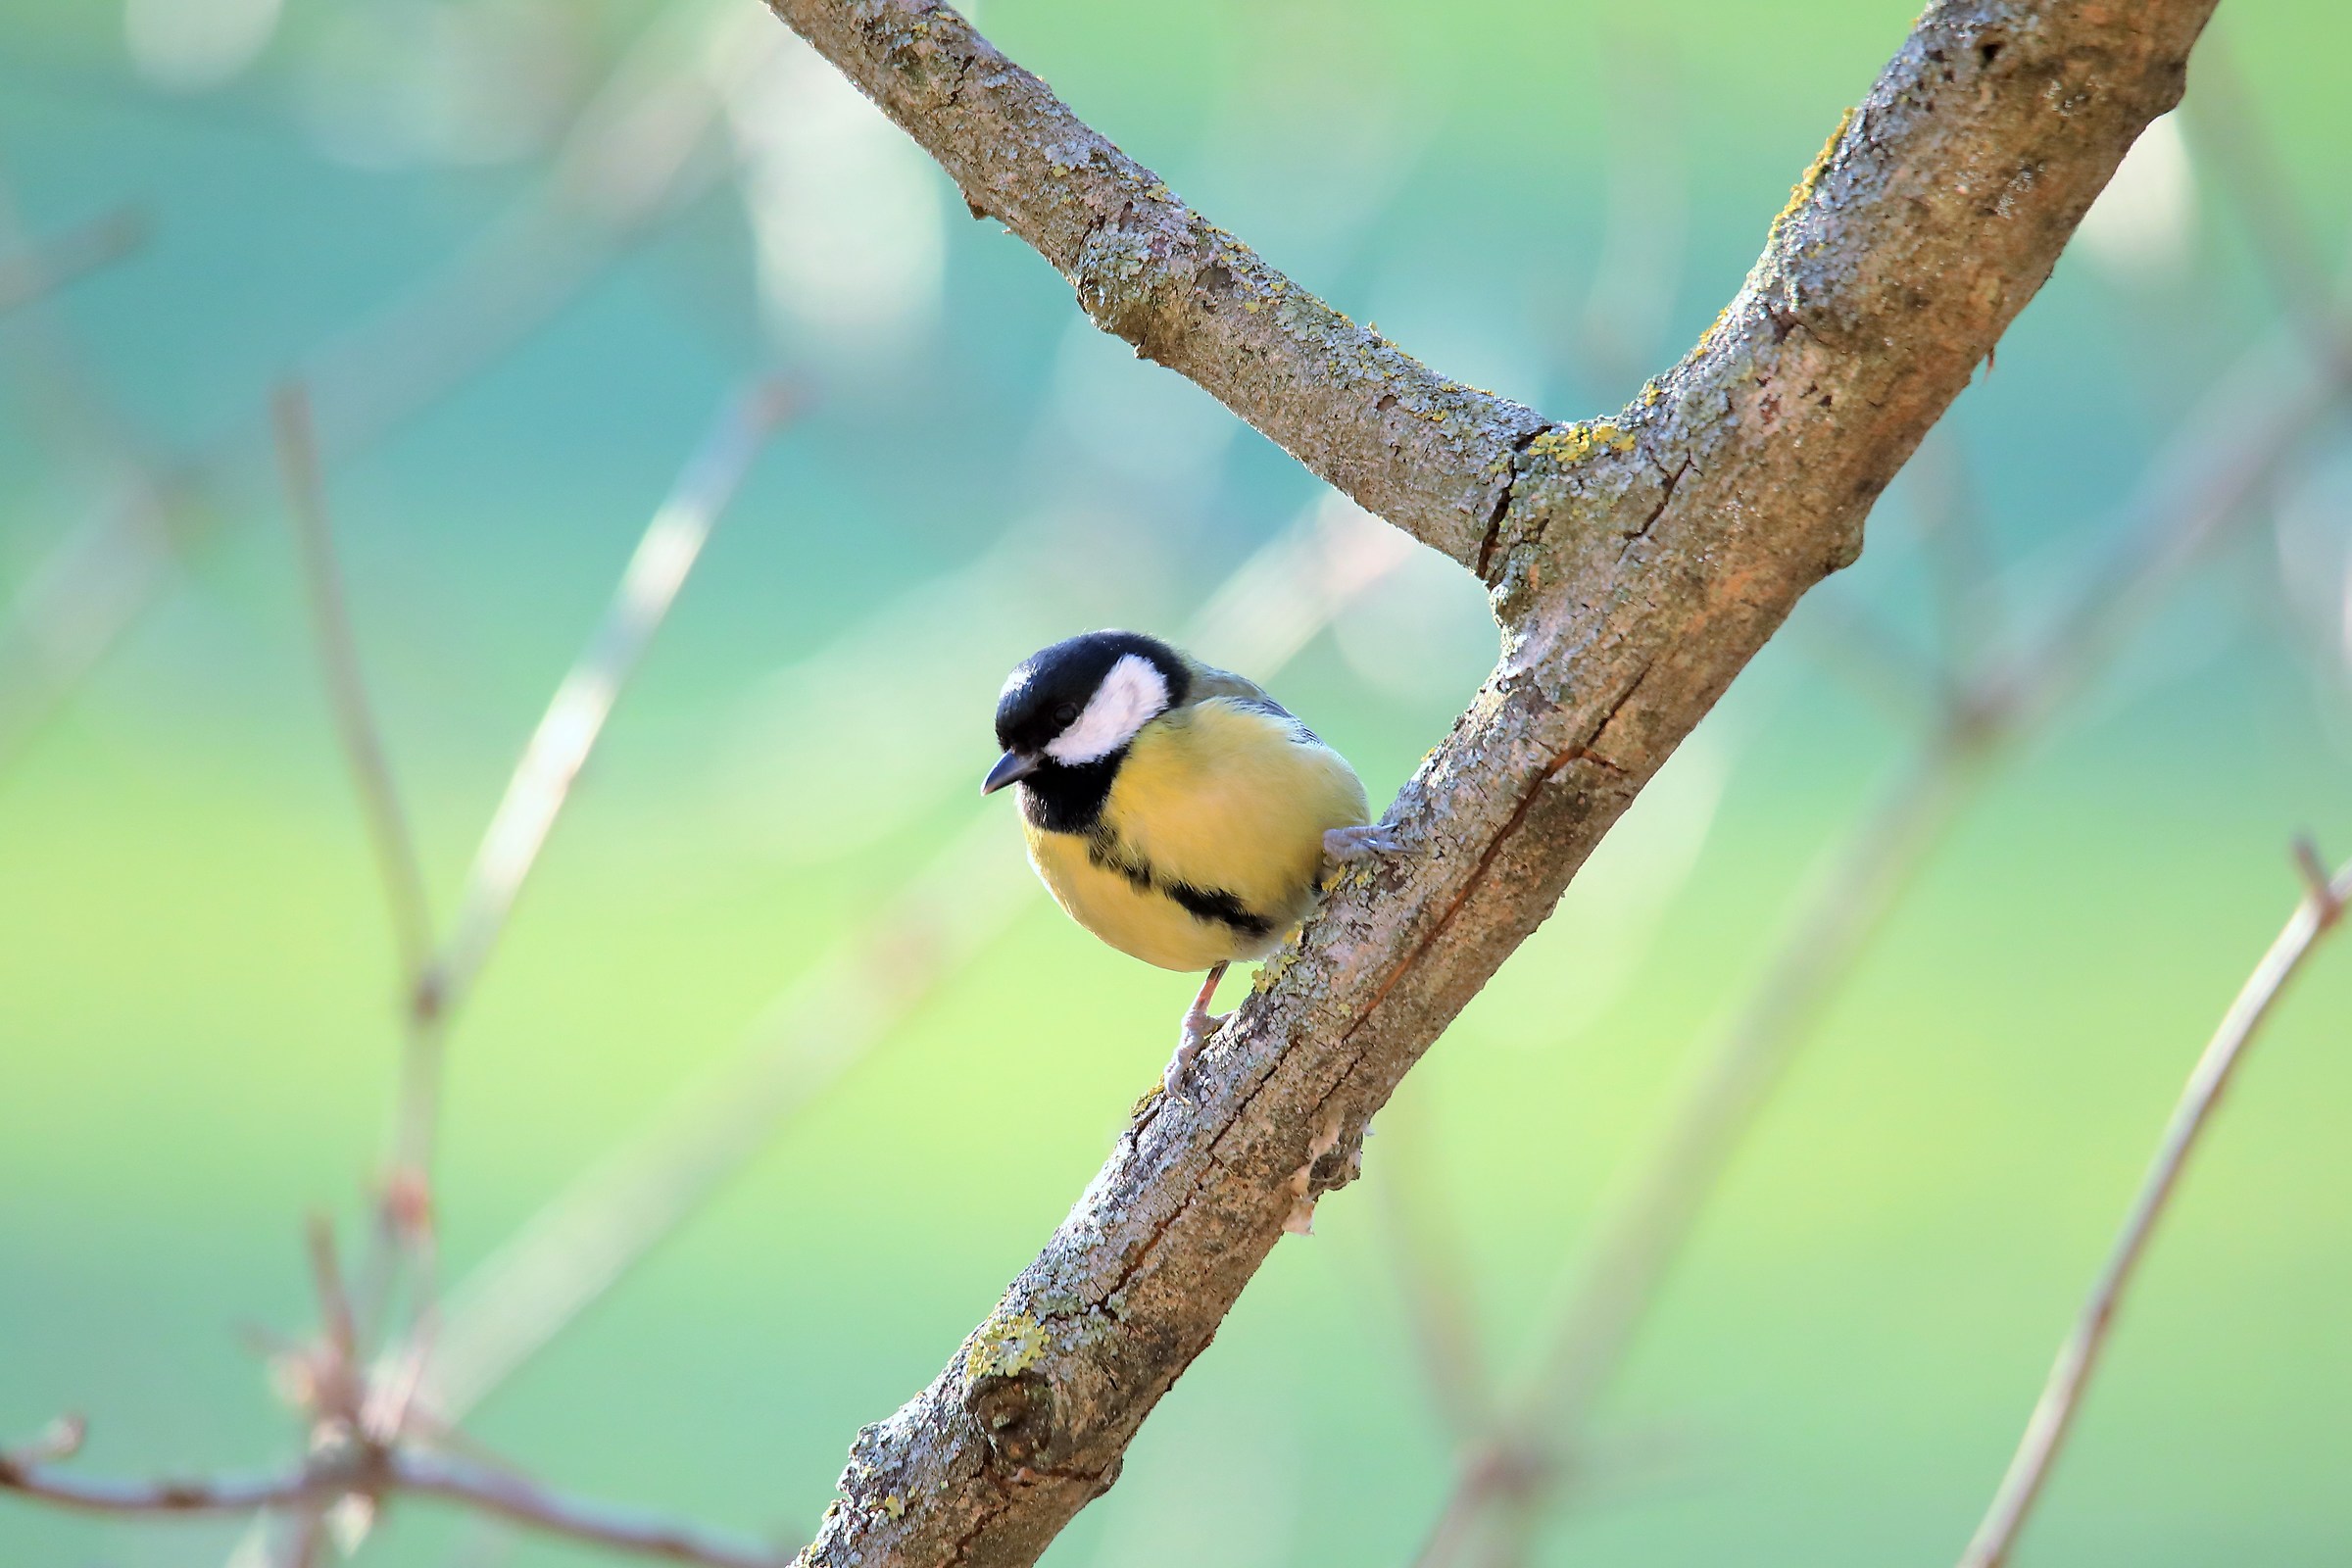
(1067, 798)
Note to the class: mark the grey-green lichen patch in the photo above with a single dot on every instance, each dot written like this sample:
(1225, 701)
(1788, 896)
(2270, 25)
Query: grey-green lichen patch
(1007, 1344)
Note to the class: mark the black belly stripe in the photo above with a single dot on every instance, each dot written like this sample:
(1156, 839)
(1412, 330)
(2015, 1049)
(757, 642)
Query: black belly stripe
(1218, 906)
(1105, 851)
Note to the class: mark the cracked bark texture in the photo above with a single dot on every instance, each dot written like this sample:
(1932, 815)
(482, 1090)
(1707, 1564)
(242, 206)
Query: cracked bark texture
(1635, 564)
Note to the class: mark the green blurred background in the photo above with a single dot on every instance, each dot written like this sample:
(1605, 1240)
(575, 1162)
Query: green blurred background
(197, 1036)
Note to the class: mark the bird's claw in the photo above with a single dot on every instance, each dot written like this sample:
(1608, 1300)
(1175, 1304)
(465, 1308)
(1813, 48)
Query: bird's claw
(1193, 1033)
(1344, 846)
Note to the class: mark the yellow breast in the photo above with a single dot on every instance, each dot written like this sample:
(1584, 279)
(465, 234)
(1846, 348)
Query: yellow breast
(1209, 845)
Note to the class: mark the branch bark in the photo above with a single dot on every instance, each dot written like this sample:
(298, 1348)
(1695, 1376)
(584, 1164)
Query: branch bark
(1636, 565)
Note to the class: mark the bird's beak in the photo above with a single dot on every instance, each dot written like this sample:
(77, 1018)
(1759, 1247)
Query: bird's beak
(1010, 768)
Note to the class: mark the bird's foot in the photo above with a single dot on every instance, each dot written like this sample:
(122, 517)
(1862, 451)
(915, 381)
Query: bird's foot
(1344, 846)
(1190, 1035)
(1198, 1024)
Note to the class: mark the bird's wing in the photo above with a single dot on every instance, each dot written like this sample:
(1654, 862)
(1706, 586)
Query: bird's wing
(1210, 684)
(1209, 681)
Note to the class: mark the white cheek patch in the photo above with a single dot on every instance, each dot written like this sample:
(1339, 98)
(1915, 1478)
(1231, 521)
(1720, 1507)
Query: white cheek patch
(1131, 695)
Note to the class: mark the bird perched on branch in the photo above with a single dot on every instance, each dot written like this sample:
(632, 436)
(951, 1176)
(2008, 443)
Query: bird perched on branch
(1173, 809)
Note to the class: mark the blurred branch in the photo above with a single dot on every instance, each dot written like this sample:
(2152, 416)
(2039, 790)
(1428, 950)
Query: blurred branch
(524, 1503)
(1906, 683)
(379, 1407)
(1432, 1273)
(542, 779)
(1969, 618)
(631, 159)
(2254, 176)
(626, 162)
(387, 825)
(575, 716)
(2320, 911)
(380, 1474)
(2231, 449)
(34, 270)
(1621, 326)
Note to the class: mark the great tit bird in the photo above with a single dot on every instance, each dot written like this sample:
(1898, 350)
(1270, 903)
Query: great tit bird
(1173, 809)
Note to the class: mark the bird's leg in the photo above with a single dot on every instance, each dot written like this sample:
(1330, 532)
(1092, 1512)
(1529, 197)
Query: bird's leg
(1198, 1024)
(1343, 846)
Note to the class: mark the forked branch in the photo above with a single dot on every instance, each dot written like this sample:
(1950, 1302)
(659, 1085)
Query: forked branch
(1636, 564)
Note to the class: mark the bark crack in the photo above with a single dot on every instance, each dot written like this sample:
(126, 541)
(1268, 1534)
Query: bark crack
(1502, 500)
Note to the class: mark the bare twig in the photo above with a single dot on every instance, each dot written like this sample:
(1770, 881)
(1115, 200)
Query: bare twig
(534, 798)
(388, 832)
(61, 1439)
(560, 747)
(335, 1392)
(2184, 503)
(2045, 1433)
(40, 269)
(210, 1494)
(357, 1469)
(524, 1503)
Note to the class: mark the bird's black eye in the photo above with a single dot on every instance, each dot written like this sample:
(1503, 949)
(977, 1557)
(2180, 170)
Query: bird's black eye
(1065, 714)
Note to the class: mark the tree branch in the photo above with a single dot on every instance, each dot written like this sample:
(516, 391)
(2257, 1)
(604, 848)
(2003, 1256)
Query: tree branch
(40, 267)
(2322, 907)
(1636, 564)
(1426, 452)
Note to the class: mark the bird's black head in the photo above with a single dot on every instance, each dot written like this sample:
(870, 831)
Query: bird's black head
(1067, 713)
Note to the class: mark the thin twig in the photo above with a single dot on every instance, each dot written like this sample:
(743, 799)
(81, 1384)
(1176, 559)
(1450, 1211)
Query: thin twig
(526, 1503)
(518, 829)
(2054, 1413)
(305, 1539)
(575, 716)
(559, 748)
(46, 265)
(197, 1496)
(356, 727)
(371, 1472)
(335, 1391)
